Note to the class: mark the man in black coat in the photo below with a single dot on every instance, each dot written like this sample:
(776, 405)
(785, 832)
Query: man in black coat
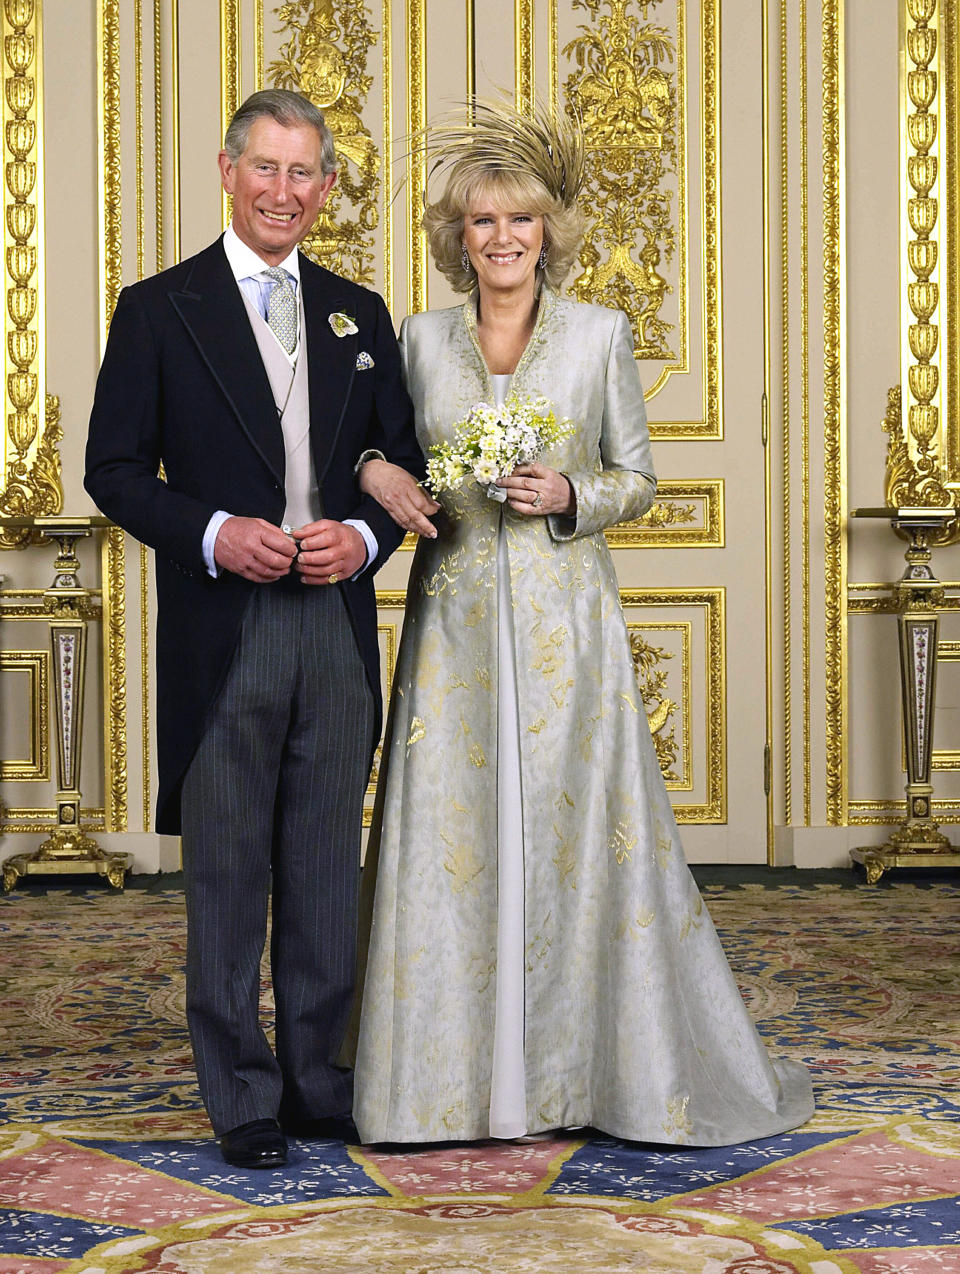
(258, 380)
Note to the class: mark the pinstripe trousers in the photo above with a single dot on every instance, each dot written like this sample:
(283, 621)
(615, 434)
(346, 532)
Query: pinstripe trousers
(272, 804)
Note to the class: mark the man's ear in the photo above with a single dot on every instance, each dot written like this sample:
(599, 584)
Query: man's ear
(325, 187)
(227, 171)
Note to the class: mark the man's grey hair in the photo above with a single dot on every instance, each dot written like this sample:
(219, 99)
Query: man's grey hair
(289, 110)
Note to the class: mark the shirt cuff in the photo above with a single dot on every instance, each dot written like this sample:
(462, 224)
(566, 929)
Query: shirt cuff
(370, 454)
(373, 548)
(210, 540)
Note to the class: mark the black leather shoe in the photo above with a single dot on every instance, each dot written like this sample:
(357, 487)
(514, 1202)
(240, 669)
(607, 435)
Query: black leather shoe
(259, 1144)
(328, 1128)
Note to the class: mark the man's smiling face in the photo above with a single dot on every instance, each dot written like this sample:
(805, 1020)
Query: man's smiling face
(277, 185)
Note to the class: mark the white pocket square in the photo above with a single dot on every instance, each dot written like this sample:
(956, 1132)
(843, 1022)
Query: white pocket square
(364, 361)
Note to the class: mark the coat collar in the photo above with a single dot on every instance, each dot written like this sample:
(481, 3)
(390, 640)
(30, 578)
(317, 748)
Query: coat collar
(469, 311)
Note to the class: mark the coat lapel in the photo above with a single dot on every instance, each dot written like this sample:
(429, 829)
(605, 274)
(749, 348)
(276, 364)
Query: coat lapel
(213, 313)
(333, 360)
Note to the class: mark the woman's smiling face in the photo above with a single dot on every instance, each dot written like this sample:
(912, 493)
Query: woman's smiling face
(503, 245)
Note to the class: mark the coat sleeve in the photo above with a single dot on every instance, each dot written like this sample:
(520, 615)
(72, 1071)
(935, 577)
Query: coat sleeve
(391, 433)
(125, 444)
(624, 485)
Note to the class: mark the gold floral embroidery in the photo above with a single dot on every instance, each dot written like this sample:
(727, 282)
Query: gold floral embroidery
(417, 731)
(621, 842)
(476, 756)
(462, 864)
(565, 859)
(631, 927)
(538, 725)
(677, 1125)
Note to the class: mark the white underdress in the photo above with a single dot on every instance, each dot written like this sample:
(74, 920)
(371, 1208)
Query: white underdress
(508, 1102)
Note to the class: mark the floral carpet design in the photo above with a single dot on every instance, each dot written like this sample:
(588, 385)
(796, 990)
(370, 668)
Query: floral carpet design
(107, 1164)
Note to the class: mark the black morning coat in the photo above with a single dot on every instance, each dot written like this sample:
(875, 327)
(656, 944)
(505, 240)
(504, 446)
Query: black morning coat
(183, 384)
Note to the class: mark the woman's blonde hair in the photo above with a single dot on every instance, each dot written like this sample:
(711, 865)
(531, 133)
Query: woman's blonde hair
(509, 190)
(523, 163)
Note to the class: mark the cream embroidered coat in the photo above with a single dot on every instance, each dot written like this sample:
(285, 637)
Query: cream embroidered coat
(633, 1021)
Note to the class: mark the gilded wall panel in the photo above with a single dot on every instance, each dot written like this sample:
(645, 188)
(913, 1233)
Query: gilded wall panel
(652, 201)
(684, 693)
(30, 715)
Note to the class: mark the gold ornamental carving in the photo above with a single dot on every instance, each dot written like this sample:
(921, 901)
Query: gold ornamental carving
(31, 481)
(624, 90)
(711, 602)
(916, 470)
(325, 58)
(659, 707)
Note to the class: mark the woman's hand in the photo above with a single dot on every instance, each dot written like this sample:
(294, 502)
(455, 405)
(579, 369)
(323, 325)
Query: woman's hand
(401, 495)
(536, 490)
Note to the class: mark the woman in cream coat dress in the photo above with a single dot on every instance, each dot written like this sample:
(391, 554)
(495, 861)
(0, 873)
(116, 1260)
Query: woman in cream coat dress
(539, 956)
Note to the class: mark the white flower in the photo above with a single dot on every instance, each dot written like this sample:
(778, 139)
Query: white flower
(342, 324)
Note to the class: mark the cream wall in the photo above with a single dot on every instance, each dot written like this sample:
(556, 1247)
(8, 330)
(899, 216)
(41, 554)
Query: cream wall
(793, 291)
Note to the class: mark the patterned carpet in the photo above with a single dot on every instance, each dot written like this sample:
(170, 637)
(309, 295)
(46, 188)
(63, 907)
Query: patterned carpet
(106, 1164)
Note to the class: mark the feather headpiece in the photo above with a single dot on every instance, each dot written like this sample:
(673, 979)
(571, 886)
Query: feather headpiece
(499, 138)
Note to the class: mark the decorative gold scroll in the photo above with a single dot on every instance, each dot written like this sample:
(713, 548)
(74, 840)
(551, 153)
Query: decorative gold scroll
(325, 57)
(31, 479)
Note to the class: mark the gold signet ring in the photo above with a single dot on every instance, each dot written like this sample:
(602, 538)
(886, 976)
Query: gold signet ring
(334, 577)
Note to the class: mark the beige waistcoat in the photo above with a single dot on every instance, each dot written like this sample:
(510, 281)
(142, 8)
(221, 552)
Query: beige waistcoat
(291, 395)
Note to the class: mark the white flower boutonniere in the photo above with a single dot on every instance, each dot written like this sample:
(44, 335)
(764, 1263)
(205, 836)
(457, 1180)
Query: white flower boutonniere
(343, 325)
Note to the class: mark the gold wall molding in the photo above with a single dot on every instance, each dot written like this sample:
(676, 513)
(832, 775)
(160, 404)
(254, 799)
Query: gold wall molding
(417, 154)
(36, 766)
(834, 414)
(108, 113)
(22, 818)
(113, 638)
(713, 603)
(685, 515)
(31, 479)
(113, 555)
(230, 61)
(805, 414)
(882, 813)
(786, 595)
(950, 276)
(523, 57)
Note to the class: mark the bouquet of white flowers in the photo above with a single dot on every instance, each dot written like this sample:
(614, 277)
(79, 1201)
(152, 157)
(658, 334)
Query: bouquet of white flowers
(492, 441)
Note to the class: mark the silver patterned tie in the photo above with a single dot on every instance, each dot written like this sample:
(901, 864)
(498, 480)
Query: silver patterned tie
(282, 308)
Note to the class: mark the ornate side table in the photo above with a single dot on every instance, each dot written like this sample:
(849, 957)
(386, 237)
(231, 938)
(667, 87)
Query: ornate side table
(68, 606)
(917, 841)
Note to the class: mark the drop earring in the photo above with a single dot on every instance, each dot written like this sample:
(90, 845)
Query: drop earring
(465, 258)
(544, 258)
